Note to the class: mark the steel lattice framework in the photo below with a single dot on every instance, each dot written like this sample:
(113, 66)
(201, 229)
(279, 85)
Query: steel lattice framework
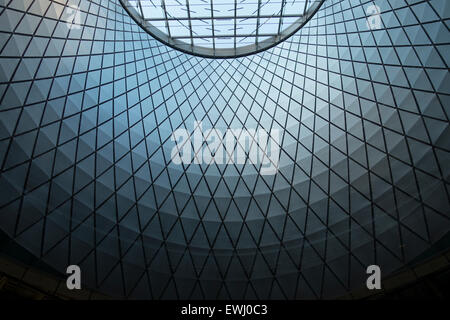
(88, 104)
(221, 28)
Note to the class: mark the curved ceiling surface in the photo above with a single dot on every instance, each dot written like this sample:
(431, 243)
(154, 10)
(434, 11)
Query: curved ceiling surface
(89, 103)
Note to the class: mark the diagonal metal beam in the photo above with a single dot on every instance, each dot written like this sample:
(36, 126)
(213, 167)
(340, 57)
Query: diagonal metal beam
(163, 5)
(283, 5)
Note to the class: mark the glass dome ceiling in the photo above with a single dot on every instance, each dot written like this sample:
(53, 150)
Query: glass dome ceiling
(88, 102)
(221, 28)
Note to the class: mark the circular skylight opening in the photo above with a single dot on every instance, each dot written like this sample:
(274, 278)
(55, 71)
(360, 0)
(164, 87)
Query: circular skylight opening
(221, 28)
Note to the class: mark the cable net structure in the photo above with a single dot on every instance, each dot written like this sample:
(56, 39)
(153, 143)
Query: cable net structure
(89, 102)
(221, 28)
